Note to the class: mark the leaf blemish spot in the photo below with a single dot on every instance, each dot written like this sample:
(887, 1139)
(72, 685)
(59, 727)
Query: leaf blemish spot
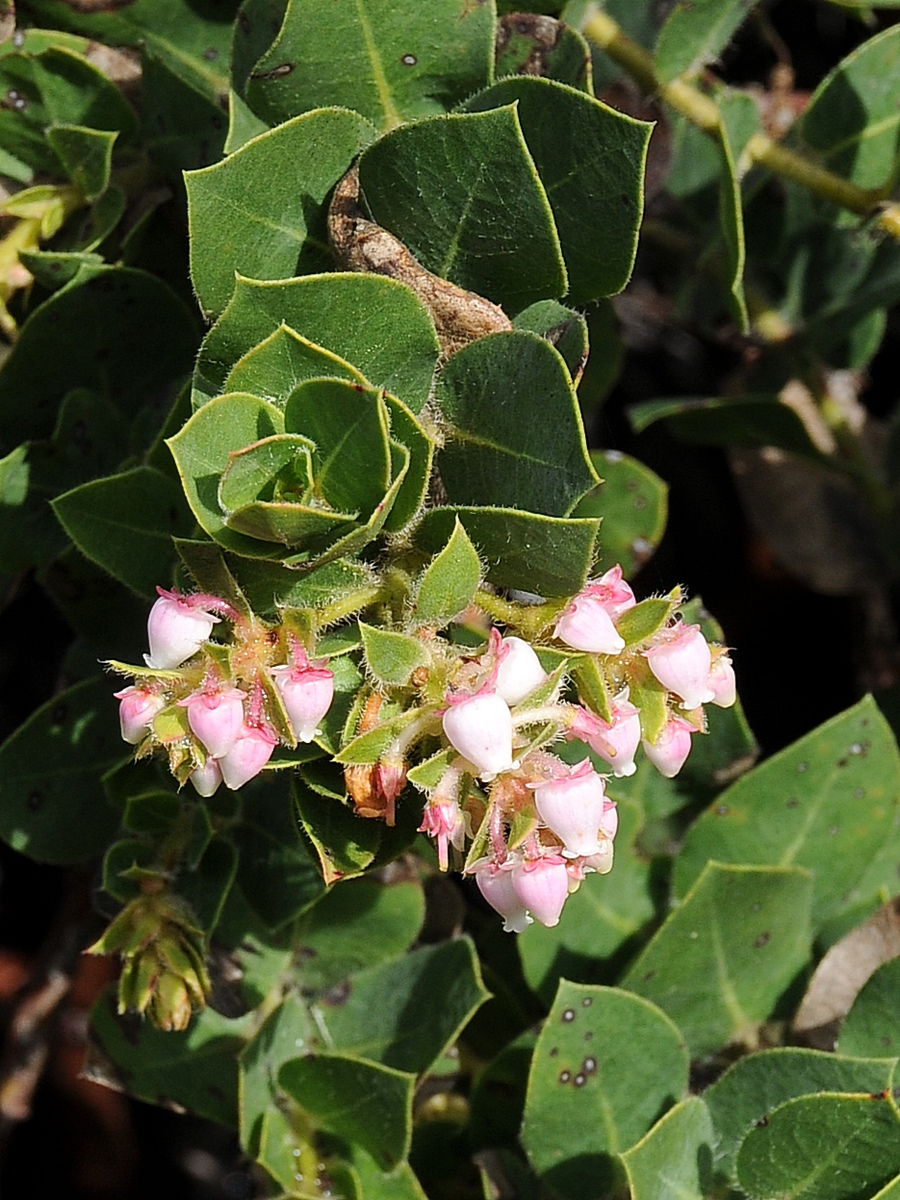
(565, 1076)
(589, 1066)
(587, 1002)
(409, 60)
(832, 830)
(792, 803)
(589, 1036)
(554, 1051)
(722, 810)
(568, 1015)
(761, 1123)
(801, 767)
(580, 1080)
(762, 940)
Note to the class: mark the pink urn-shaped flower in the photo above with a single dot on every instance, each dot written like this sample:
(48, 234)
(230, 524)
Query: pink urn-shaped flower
(671, 748)
(542, 885)
(215, 715)
(496, 885)
(681, 662)
(206, 779)
(137, 709)
(616, 742)
(722, 682)
(480, 728)
(519, 670)
(249, 754)
(177, 627)
(443, 820)
(573, 808)
(306, 693)
(589, 620)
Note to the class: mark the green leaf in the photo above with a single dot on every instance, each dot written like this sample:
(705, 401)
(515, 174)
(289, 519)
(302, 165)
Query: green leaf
(739, 117)
(184, 125)
(870, 1026)
(349, 426)
(276, 872)
(599, 919)
(633, 503)
(361, 1101)
(202, 450)
(381, 1017)
(825, 1147)
(120, 333)
(125, 523)
(695, 34)
(562, 327)
(259, 469)
(851, 122)
(392, 63)
(827, 803)
(86, 155)
(374, 323)
(755, 1085)
(54, 808)
(392, 657)
(674, 1158)
(721, 960)
(409, 434)
(514, 437)
(548, 555)
(460, 226)
(589, 1095)
(270, 586)
(355, 926)
(529, 43)
(195, 1070)
(762, 420)
(274, 368)
(639, 623)
(192, 36)
(590, 159)
(279, 230)
(449, 582)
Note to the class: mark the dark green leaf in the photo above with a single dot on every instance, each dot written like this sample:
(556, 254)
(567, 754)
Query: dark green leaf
(361, 1101)
(590, 159)
(86, 155)
(390, 62)
(871, 1025)
(384, 1014)
(484, 188)
(195, 1070)
(721, 960)
(548, 555)
(674, 1159)
(695, 34)
(514, 436)
(744, 421)
(562, 327)
(276, 231)
(125, 523)
(54, 807)
(825, 1147)
(374, 323)
(851, 123)
(828, 803)
(274, 368)
(127, 337)
(589, 1095)
(759, 1083)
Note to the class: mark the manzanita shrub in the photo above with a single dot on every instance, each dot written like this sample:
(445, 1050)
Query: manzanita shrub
(298, 299)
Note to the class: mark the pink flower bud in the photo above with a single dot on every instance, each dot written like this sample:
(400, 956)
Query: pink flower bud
(496, 885)
(615, 742)
(247, 757)
(671, 748)
(542, 886)
(206, 779)
(602, 863)
(722, 682)
(306, 693)
(519, 670)
(588, 622)
(681, 661)
(480, 728)
(215, 717)
(137, 709)
(573, 808)
(176, 629)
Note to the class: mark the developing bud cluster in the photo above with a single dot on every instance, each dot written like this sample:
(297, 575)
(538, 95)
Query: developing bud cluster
(471, 731)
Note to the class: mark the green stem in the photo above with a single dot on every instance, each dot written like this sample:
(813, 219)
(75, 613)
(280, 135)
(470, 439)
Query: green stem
(701, 110)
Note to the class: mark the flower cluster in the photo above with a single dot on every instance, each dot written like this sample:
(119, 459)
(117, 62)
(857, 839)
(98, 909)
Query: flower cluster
(217, 710)
(477, 733)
